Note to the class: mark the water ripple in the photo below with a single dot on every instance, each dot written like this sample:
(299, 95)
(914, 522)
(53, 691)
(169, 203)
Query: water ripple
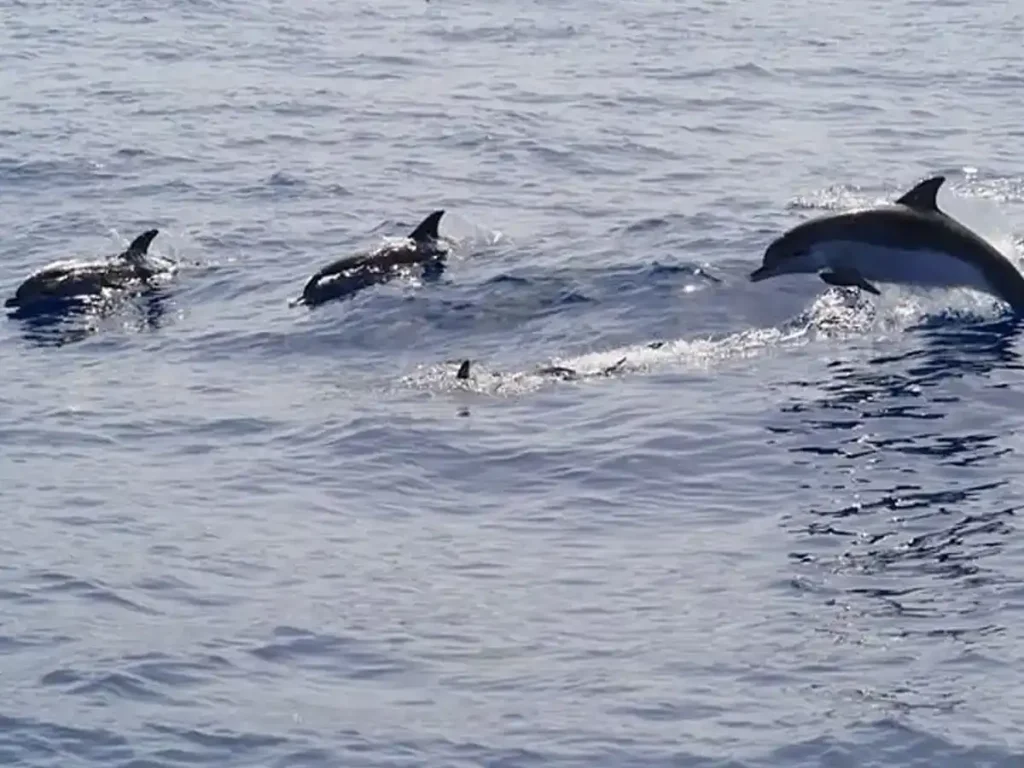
(666, 517)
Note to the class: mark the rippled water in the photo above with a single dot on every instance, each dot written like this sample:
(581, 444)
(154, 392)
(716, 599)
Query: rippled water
(239, 532)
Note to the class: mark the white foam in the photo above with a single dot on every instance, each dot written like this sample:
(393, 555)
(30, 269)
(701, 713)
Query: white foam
(836, 314)
(833, 314)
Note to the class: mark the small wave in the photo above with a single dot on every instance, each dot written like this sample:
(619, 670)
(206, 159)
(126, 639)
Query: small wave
(231, 744)
(656, 223)
(24, 740)
(119, 686)
(749, 68)
(177, 674)
(327, 653)
(507, 33)
(53, 583)
(177, 590)
(62, 172)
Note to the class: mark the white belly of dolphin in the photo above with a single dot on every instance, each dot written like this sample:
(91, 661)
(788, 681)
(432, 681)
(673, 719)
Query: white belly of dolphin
(880, 264)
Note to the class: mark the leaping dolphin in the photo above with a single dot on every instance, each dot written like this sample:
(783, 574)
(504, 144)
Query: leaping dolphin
(909, 242)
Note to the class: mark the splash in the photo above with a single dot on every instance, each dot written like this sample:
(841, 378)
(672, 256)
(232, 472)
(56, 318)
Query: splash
(457, 234)
(835, 315)
(838, 314)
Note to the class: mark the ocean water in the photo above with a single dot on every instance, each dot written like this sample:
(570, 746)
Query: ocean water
(237, 532)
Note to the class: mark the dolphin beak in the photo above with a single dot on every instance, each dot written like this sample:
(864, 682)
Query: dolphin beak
(761, 273)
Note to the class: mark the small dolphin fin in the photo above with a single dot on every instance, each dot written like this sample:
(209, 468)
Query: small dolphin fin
(848, 278)
(463, 370)
(427, 230)
(613, 368)
(140, 245)
(922, 197)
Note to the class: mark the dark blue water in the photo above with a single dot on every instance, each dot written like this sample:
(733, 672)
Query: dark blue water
(241, 533)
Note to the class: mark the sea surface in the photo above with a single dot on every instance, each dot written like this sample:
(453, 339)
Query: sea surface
(239, 532)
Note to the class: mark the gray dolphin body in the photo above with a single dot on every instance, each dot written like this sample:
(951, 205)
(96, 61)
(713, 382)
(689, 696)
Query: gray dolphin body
(67, 281)
(909, 242)
(423, 248)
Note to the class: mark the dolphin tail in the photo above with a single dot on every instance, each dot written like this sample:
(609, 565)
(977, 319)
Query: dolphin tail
(427, 230)
(140, 245)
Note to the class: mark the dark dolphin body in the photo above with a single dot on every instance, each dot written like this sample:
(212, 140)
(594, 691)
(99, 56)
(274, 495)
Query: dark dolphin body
(344, 277)
(910, 242)
(61, 284)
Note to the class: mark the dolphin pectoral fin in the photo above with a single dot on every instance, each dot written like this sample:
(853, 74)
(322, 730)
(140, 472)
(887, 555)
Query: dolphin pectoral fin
(848, 278)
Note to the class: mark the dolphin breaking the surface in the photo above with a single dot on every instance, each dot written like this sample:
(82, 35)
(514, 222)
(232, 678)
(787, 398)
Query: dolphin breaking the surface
(71, 280)
(423, 247)
(909, 242)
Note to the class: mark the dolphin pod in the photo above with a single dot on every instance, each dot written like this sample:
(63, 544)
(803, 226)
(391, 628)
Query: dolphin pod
(61, 283)
(907, 242)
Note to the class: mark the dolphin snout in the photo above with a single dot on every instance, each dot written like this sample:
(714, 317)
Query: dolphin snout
(761, 273)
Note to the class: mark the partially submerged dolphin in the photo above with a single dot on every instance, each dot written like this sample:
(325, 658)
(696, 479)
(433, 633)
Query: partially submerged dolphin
(67, 281)
(909, 242)
(423, 247)
(554, 371)
(560, 371)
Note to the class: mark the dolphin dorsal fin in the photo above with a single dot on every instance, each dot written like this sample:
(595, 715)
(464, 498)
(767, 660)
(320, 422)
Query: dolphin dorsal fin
(427, 230)
(140, 245)
(922, 197)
